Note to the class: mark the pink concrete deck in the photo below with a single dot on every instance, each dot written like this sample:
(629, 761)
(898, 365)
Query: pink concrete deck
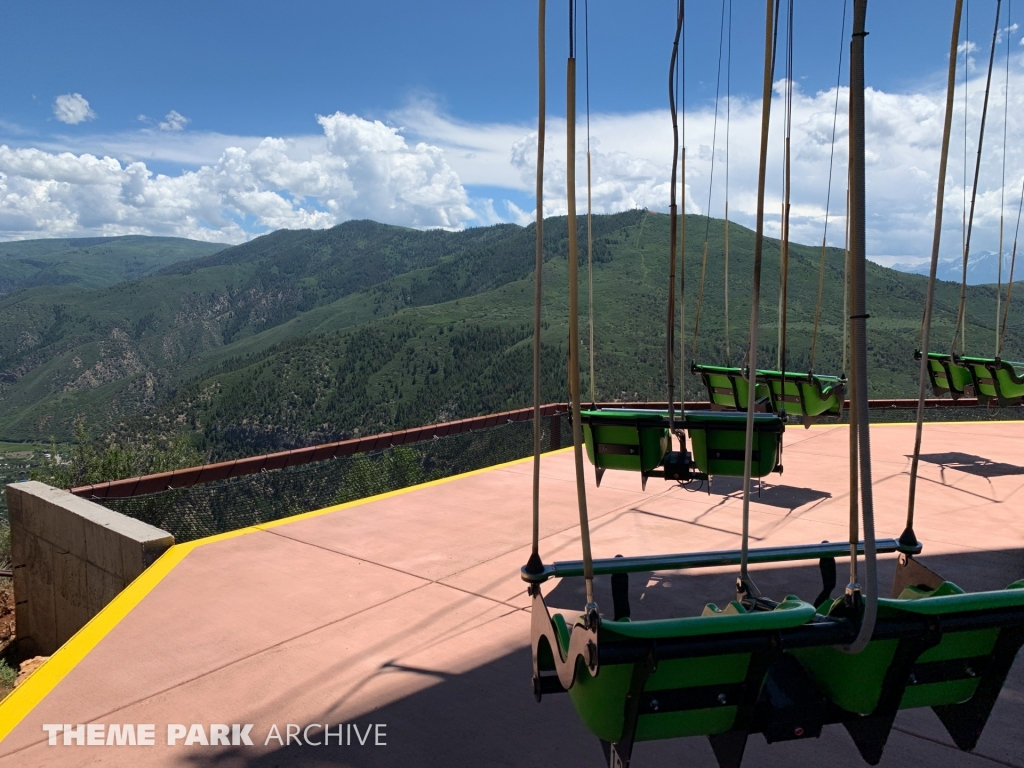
(408, 611)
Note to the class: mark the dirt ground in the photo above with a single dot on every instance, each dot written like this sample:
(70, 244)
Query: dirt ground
(6, 626)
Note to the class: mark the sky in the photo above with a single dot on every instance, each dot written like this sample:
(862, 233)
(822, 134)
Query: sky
(221, 120)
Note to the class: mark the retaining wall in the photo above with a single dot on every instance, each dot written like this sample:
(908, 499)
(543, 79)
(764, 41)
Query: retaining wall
(71, 557)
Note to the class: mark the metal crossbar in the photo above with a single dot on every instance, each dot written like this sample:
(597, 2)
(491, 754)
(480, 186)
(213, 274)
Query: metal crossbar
(726, 557)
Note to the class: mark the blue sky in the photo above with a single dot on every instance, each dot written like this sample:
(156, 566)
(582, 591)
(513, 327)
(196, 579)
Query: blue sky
(427, 112)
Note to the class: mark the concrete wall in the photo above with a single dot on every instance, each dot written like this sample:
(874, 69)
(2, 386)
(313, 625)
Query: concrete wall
(71, 557)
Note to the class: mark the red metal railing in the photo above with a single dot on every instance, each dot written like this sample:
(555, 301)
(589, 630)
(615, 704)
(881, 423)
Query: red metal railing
(208, 473)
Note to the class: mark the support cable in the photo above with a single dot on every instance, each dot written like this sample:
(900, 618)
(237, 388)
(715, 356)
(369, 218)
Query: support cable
(590, 201)
(858, 331)
(908, 537)
(673, 223)
(534, 564)
(828, 195)
(755, 296)
(1013, 262)
(787, 186)
(711, 183)
(961, 320)
(574, 310)
(728, 121)
(1002, 186)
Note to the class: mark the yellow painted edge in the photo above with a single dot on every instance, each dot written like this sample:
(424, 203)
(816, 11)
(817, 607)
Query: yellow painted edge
(34, 689)
(874, 424)
(23, 699)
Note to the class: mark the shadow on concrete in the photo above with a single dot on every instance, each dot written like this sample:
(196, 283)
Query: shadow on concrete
(782, 496)
(488, 716)
(971, 464)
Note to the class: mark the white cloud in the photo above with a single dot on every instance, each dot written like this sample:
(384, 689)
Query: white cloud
(72, 108)
(357, 169)
(174, 121)
(414, 174)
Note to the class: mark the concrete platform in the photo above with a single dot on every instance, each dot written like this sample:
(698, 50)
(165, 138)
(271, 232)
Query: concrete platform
(407, 612)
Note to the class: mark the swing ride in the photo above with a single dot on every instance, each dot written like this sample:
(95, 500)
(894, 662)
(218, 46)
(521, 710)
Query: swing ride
(992, 380)
(785, 667)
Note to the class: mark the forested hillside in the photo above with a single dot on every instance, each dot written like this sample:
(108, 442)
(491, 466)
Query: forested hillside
(92, 262)
(307, 336)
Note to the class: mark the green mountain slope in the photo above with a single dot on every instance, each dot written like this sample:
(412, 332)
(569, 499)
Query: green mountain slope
(92, 262)
(434, 362)
(300, 337)
(66, 352)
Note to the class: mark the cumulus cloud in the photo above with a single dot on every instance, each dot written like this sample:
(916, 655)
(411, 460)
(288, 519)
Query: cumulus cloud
(174, 121)
(414, 174)
(357, 169)
(631, 162)
(72, 108)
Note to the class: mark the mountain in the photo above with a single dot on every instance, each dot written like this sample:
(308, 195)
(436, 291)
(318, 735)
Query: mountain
(304, 336)
(92, 262)
(982, 269)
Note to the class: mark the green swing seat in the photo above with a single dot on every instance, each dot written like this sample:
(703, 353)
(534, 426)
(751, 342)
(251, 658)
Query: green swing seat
(947, 375)
(957, 665)
(638, 441)
(718, 441)
(701, 695)
(721, 674)
(634, 441)
(995, 379)
(805, 394)
(728, 388)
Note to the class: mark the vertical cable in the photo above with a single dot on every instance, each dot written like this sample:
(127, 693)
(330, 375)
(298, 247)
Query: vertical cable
(711, 184)
(858, 323)
(590, 201)
(961, 319)
(670, 342)
(828, 194)
(908, 537)
(1013, 262)
(1002, 185)
(574, 309)
(787, 185)
(755, 296)
(534, 564)
(728, 122)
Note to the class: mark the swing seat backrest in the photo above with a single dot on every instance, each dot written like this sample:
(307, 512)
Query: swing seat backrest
(629, 446)
(805, 394)
(985, 388)
(718, 439)
(1009, 386)
(702, 695)
(947, 673)
(728, 388)
(947, 375)
(996, 379)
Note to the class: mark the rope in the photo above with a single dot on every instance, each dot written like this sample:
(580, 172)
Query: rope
(534, 564)
(590, 201)
(711, 182)
(728, 121)
(574, 306)
(961, 324)
(1013, 262)
(908, 536)
(673, 109)
(755, 296)
(859, 380)
(1002, 186)
(681, 99)
(784, 255)
(846, 276)
(828, 194)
